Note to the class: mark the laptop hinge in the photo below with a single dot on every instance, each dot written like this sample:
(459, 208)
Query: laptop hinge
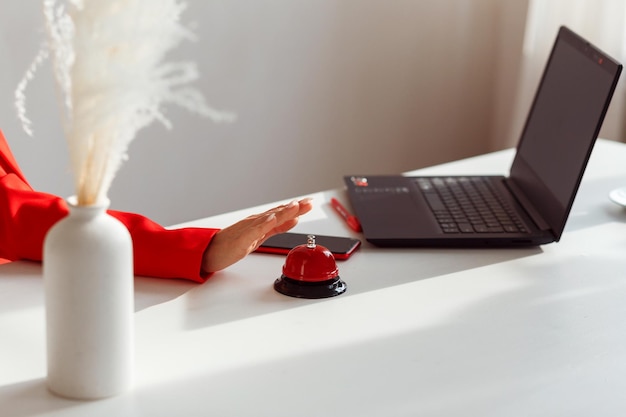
(527, 205)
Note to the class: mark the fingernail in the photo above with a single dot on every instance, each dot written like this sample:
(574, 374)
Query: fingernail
(305, 200)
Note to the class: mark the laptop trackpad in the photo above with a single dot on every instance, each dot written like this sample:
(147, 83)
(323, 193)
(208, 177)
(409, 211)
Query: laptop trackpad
(396, 215)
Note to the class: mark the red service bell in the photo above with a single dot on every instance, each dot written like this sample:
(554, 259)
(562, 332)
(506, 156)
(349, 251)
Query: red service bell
(310, 271)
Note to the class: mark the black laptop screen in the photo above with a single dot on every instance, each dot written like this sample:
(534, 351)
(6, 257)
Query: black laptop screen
(571, 102)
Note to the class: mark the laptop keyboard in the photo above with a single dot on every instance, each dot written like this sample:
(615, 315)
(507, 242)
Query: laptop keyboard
(469, 205)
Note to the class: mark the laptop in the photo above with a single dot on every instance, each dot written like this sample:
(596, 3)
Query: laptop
(530, 206)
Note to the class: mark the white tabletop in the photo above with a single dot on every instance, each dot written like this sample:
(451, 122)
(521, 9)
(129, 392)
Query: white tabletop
(419, 332)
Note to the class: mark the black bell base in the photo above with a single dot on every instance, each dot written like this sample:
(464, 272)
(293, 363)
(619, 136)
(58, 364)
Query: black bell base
(311, 290)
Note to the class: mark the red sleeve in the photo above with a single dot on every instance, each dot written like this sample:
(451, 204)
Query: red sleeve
(27, 215)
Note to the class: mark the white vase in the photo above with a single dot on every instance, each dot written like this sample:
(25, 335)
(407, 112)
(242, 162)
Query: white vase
(88, 282)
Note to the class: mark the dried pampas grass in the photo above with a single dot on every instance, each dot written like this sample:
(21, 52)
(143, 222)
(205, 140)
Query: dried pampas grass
(109, 63)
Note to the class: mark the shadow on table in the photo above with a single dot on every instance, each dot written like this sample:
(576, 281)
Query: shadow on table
(539, 341)
(545, 343)
(32, 398)
(247, 290)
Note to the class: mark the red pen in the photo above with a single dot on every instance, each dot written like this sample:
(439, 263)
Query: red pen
(351, 220)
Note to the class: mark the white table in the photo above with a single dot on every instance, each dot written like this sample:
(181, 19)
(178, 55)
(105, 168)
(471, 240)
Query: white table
(420, 332)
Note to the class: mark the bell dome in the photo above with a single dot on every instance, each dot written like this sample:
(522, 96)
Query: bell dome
(310, 271)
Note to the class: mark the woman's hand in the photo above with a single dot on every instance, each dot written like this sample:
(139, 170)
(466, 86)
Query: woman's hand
(235, 242)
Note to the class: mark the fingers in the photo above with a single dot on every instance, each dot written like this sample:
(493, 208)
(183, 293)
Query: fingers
(279, 219)
(293, 209)
(287, 215)
(285, 212)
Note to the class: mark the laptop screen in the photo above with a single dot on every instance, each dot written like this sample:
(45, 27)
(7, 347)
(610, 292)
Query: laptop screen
(572, 97)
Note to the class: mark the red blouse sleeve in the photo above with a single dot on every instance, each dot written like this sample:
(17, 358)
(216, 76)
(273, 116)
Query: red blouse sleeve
(26, 216)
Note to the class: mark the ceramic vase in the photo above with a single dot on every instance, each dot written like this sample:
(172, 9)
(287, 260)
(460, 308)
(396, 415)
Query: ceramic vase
(88, 282)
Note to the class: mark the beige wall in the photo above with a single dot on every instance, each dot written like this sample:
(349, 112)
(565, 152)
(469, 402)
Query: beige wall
(321, 87)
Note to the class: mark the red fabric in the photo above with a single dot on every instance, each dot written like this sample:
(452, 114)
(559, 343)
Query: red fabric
(26, 216)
